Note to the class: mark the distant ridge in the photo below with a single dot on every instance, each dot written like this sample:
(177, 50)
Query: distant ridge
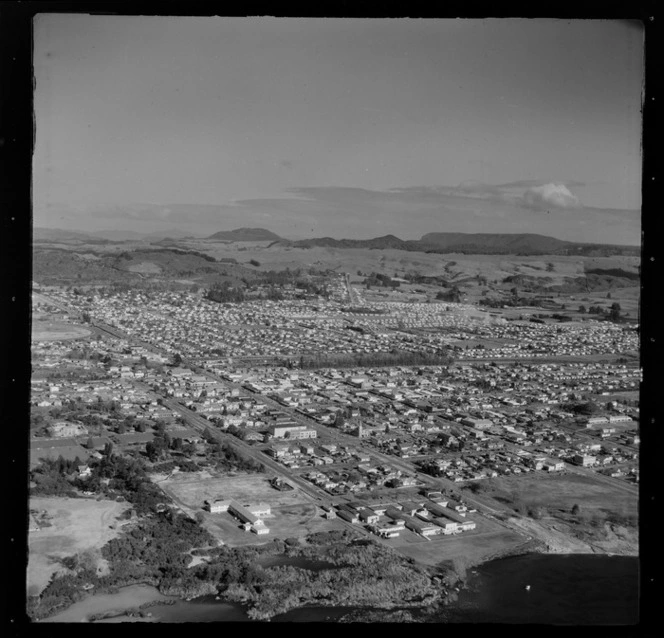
(119, 235)
(387, 241)
(61, 235)
(512, 242)
(246, 234)
(473, 243)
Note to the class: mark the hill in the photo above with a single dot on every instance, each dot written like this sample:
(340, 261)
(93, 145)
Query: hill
(119, 235)
(53, 265)
(246, 234)
(378, 243)
(493, 242)
(60, 235)
(473, 244)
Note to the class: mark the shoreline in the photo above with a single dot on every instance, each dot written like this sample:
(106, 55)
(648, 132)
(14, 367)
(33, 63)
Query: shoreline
(155, 599)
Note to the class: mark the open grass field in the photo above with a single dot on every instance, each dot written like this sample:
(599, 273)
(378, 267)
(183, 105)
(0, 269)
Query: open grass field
(77, 525)
(293, 514)
(44, 329)
(284, 522)
(146, 267)
(392, 261)
(40, 449)
(192, 489)
(560, 492)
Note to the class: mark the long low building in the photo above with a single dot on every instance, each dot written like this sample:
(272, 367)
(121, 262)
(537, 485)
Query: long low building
(420, 527)
(447, 525)
(217, 506)
(347, 515)
(250, 515)
(462, 522)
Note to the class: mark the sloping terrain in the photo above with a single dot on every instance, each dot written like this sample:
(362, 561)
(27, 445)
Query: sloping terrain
(476, 244)
(379, 243)
(492, 242)
(57, 235)
(246, 234)
(52, 266)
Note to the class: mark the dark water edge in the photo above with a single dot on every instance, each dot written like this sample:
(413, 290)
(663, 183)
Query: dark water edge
(576, 589)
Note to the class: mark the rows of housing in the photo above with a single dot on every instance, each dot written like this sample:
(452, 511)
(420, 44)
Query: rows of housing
(463, 423)
(189, 324)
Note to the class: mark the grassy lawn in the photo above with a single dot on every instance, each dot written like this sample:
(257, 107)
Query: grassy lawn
(558, 494)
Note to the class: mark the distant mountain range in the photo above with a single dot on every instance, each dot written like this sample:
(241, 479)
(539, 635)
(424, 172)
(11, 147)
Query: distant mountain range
(104, 236)
(471, 243)
(468, 243)
(491, 241)
(60, 235)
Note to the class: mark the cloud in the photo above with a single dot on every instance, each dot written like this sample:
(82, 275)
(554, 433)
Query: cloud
(550, 196)
(352, 212)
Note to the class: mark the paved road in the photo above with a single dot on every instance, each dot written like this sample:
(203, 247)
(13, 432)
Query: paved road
(200, 424)
(319, 495)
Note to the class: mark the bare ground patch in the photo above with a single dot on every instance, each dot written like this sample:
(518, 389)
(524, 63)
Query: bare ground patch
(76, 525)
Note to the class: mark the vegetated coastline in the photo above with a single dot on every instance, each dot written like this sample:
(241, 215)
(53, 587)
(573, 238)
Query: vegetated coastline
(157, 549)
(362, 572)
(377, 582)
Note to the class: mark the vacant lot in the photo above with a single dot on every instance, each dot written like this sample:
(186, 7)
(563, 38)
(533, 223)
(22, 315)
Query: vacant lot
(46, 330)
(560, 492)
(69, 449)
(77, 525)
(192, 489)
(146, 267)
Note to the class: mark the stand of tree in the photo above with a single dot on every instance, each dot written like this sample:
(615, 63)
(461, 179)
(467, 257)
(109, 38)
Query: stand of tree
(375, 360)
(225, 293)
(379, 279)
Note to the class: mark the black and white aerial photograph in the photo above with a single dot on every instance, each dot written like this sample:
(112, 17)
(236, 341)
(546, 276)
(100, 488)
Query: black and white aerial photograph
(335, 320)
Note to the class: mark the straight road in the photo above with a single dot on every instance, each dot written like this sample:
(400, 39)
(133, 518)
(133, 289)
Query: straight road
(200, 424)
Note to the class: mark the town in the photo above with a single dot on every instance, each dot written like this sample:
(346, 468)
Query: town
(489, 414)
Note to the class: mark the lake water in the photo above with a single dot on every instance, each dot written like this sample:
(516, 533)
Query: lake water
(564, 590)
(575, 589)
